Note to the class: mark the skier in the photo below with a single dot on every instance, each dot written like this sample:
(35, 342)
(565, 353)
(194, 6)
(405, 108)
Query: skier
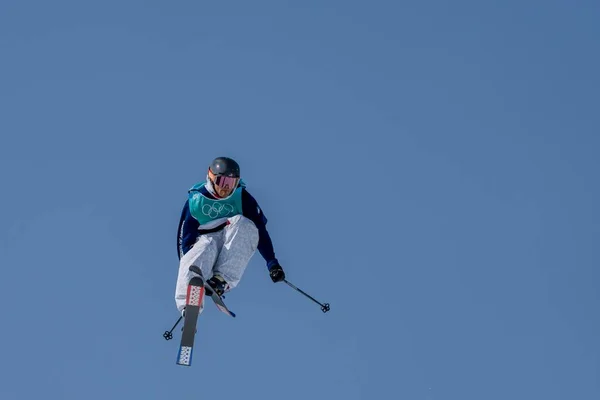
(220, 228)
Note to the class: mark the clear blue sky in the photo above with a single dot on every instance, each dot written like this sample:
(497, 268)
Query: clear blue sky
(436, 167)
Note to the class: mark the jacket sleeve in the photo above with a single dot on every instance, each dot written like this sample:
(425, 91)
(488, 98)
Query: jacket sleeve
(253, 212)
(187, 232)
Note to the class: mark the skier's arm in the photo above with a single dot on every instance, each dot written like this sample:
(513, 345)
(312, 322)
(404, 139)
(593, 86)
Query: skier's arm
(252, 211)
(187, 233)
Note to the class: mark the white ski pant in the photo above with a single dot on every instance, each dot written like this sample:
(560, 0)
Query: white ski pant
(226, 253)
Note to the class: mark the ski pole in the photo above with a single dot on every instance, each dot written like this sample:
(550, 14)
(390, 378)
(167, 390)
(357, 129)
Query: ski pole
(324, 307)
(168, 335)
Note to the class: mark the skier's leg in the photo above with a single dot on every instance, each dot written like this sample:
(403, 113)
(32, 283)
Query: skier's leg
(240, 239)
(203, 254)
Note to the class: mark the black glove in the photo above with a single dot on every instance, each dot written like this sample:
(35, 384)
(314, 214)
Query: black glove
(276, 273)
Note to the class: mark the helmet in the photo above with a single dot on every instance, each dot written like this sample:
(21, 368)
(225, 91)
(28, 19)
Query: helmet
(224, 174)
(225, 166)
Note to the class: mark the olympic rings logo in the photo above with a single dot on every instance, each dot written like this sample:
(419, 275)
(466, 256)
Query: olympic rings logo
(215, 210)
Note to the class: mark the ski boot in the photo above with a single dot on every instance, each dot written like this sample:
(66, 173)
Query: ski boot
(217, 284)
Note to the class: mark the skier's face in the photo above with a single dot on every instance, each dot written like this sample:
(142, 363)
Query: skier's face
(223, 192)
(225, 185)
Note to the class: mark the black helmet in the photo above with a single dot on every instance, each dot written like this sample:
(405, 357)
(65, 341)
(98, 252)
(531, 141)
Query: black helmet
(225, 166)
(224, 174)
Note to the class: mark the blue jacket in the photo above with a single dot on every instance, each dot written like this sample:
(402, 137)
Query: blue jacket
(187, 232)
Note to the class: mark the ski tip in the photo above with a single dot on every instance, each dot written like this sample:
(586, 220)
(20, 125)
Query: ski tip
(195, 269)
(196, 281)
(225, 310)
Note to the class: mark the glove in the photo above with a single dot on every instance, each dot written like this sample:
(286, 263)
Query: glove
(276, 273)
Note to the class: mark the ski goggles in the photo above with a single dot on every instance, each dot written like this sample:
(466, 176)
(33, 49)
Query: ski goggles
(226, 182)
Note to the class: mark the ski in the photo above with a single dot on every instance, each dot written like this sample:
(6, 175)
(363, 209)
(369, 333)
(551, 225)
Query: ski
(195, 296)
(218, 300)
